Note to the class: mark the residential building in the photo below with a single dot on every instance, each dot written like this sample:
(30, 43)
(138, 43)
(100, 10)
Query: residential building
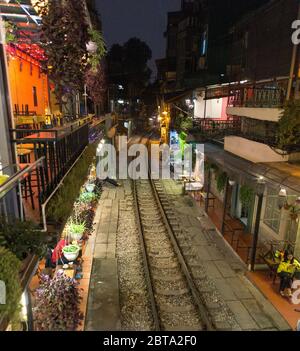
(248, 154)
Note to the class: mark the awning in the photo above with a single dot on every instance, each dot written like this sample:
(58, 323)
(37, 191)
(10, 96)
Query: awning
(275, 174)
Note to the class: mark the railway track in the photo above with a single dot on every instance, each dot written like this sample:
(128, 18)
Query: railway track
(175, 301)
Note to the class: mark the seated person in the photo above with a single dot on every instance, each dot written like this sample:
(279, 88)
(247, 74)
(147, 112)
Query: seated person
(286, 271)
(56, 256)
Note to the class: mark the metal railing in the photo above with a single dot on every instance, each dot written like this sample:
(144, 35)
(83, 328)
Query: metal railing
(217, 128)
(11, 191)
(60, 150)
(257, 97)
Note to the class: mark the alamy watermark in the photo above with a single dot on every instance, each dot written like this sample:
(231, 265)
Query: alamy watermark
(296, 33)
(2, 293)
(158, 162)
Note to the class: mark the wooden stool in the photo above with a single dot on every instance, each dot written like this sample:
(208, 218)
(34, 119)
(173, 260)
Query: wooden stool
(27, 186)
(24, 155)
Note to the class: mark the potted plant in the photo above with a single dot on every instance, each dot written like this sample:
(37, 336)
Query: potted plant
(57, 304)
(9, 274)
(90, 187)
(76, 230)
(87, 197)
(71, 252)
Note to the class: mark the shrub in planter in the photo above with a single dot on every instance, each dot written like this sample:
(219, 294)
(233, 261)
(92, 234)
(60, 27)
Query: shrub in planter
(61, 205)
(9, 274)
(22, 238)
(87, 216)
(76, 230)
(87, 197)
(57, 304)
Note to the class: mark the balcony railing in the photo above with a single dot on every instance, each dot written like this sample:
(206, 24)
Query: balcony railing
(59, 149)
(257, 97)
(213, 128)
(218, 129)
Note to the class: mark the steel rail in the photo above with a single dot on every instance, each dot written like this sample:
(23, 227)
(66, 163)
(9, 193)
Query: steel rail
(147, 271)
(203, 313)
(199, 304)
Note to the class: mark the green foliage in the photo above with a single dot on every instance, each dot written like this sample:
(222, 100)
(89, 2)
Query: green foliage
(61, 205)
(64, 35)
(22, 238)
(10, 32)
(187, 124)
(96, 57)
(77, 228)
(246, 195)
(289, 125)
(221, 181)
(9, 274)
(87, 197)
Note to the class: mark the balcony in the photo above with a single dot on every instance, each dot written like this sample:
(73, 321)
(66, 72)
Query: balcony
(59, 149)
(248, 138)
(257, 103)
(215, 128)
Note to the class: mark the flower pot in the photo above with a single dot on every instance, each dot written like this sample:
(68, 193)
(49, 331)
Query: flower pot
(90, 188)
(71, 256)
(75, 236)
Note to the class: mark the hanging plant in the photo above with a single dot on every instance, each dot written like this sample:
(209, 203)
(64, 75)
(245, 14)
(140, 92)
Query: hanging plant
(57, 304)
(9, 274)
(64, 35)
(246, 196)
(221, 181)
(96, 48)
(96, 83)
(10, 32)
(289, 125)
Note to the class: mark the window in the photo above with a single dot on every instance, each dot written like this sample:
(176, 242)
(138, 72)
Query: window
(31, 69)
(35, 99)
(272, 212)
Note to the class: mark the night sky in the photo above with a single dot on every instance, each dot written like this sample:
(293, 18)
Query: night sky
(145, 19)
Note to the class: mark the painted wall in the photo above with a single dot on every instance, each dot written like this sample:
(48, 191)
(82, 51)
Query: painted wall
(254, 151)
(215, 108)
(263, 114)
(24, 74)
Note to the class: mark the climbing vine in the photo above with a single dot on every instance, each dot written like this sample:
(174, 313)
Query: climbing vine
(289, 126)
(97, 49)
(64, 35)
(246, 196)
